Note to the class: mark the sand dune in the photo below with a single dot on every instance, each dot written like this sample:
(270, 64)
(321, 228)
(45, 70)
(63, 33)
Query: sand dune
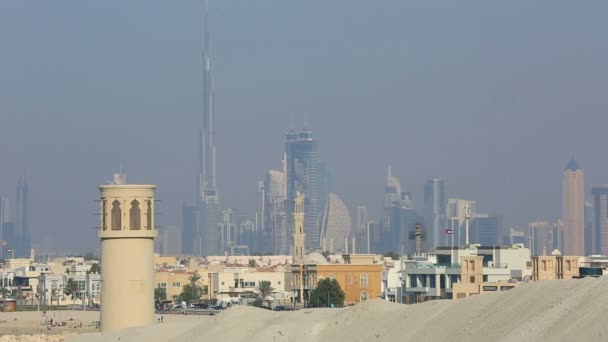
(564, 310)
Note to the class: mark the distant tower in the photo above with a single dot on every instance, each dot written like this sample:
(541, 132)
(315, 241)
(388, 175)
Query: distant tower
(22, 229)
(298, 234)
(435, 209)
(127, 254)
(574, 210)
(207, 240)
(599, 223)
(335, 225)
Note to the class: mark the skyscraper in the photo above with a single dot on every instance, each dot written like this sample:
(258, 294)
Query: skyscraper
(22, 230)
(456, 214)
(574, 210)
(275, 221)
(305, 173)
(486, 229)
(188, 233)
(541, 238)
(336, 225)
(208, 194)
(599, 223)
(4, 219)
(435, 213)
(361, 219)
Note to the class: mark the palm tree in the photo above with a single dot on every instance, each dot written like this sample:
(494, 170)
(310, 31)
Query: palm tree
(194, 279)
(264, 289)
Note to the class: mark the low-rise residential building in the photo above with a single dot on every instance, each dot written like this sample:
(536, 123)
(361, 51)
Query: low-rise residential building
(463, 271)
(556, 266)
(360, 277)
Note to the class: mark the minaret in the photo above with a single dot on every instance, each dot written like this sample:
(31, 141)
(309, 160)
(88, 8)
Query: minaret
(127, 254)
(298, 234)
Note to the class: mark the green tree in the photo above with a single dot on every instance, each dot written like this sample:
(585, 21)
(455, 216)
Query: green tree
(5, 292)
(392, 255)
(71, 289)
(264, 289)
(95, 268)
(189, 293)
(160, 293)
(252, 263)
(327, 289)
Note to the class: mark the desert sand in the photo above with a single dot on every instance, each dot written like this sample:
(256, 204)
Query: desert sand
(562, 310)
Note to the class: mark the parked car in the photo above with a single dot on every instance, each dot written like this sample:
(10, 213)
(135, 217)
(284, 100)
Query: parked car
(200, 306)
(279, 308)
(218, 307)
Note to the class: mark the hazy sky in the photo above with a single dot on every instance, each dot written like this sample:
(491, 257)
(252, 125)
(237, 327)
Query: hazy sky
(493, 96)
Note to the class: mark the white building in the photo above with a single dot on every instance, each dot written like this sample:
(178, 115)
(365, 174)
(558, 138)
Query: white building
(432, 275)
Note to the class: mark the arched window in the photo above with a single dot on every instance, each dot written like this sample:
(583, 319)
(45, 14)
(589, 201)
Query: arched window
(350, 279)
(363, 295)
(331, 277)
(363, 280)
(149, 215)
(116, 215)
(104, 225)
(135, 215)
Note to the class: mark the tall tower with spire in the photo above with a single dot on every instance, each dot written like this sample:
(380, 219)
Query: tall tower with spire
(207, 238)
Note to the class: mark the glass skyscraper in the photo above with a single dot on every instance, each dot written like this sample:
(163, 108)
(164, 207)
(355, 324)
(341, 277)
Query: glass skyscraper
(435, 211)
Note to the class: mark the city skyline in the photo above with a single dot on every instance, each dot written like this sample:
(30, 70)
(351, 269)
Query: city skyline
(52, 126)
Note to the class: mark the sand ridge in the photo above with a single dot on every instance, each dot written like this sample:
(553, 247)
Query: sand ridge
(562, 310)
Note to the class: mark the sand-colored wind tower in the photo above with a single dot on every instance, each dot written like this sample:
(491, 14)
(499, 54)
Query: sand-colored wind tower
(127, 254)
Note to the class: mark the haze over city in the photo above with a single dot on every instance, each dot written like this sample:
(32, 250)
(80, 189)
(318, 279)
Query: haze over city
(494, 99)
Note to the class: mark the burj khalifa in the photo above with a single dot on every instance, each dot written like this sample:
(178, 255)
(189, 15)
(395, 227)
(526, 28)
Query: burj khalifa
(207, 233)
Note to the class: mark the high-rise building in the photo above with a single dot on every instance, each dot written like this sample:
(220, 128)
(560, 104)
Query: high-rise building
(335, 226)
(435, 207)
(4, 219)
(188, 233)
(169, 241)
(599, 223)
(361, 219)
(456, 217)
(229, 230)
(22, 230)
(557, 235)
(275, 219)
(541, 238)
(574, 210)
(589, 234)
(305, 173)
(486, 229)
(208, 234)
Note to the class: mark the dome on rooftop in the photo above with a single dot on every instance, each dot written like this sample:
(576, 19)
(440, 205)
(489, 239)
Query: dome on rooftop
(315, 258)
(572, 165)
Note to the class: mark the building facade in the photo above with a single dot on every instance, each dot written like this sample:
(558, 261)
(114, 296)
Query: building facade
(574, 209)
(599, 222)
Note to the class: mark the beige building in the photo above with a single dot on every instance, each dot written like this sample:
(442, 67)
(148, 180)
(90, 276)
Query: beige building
(471, 276)
(127, 254)
(550, 267)
(173, 281)
(574, 209)
(360, 277)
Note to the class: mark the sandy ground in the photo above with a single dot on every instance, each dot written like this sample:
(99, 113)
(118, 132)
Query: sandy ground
(32, 323)
(565, 310)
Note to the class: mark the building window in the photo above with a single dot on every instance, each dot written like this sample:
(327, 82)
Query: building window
(135, 215)
(331, 277)
(116, 215)
(103, 215)
(363, 280)
(472, 279)
(364, 296)
(350, 279)
(149, 215)
(177, 284)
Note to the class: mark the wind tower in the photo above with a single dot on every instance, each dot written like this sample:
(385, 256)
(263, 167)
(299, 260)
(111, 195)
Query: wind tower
(127, 254)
